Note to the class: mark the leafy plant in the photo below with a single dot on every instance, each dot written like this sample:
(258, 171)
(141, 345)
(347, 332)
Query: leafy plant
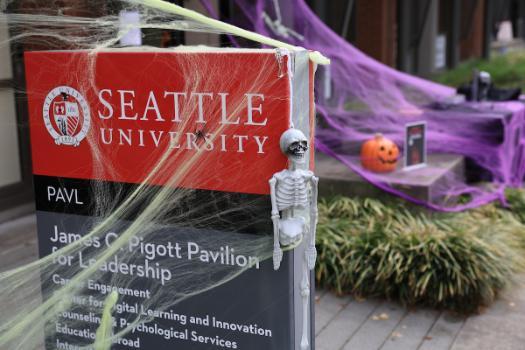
(507, 70)
(516, 201)
(395, 250)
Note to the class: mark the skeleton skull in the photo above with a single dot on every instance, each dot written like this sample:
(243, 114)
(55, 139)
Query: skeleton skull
(294, 144)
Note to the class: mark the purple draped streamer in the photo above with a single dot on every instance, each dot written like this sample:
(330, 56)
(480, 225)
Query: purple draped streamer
(368, 97)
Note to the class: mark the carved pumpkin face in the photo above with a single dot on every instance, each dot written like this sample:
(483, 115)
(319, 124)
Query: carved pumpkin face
(379, 154)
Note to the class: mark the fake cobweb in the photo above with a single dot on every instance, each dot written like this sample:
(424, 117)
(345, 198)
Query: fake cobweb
(358, 97)
(133, 225)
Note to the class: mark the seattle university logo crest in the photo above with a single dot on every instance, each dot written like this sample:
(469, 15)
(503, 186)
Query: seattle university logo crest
(66, 116)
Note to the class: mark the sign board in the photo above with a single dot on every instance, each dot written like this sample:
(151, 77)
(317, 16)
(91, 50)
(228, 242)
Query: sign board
(415, 153)
(440, 60)
(106, 121)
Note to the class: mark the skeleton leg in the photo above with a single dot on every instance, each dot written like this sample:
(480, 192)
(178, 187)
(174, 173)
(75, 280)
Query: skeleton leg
(311, 252)
(277, 251)
(305, 294)
(310, 255)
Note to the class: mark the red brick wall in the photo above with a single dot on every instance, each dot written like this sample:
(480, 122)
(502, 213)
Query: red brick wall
(376, 29)
(471, 45)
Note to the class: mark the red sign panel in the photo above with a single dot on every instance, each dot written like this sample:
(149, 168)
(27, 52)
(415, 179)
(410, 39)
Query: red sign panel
(205, 120)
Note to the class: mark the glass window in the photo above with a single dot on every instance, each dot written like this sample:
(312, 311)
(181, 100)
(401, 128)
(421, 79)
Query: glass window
(5, 54)
(10, 170)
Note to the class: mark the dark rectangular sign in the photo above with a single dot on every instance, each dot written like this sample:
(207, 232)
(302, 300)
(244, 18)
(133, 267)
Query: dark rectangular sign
(415, 155)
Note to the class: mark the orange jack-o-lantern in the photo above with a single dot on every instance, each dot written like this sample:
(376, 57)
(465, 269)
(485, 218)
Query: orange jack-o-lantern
(379, 154)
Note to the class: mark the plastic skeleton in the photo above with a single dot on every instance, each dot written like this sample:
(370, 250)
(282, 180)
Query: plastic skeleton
(277, 26)
(293, 190)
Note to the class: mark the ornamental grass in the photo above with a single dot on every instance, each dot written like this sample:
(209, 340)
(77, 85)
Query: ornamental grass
(391, 249)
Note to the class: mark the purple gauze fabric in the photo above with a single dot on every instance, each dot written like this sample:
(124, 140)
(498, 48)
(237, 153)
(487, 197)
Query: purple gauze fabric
(368, 97)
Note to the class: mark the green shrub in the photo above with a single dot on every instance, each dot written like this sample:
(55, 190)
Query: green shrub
(516, 201)
(394, 250)
(507, 70)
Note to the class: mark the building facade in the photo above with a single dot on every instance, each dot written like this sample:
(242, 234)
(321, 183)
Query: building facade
(422, 36)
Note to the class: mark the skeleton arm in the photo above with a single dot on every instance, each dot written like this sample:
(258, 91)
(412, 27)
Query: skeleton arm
(311, 252)
(277, 251)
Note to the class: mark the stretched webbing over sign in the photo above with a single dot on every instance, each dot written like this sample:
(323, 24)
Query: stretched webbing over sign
(165, 126)
(233, 124)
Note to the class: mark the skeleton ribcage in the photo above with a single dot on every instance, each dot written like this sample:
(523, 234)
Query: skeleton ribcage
(291, 192)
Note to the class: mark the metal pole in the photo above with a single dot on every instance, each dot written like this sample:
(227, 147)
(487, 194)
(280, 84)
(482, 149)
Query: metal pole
(454, 10)
(403, 43)
(488, 26)
(348, 16)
